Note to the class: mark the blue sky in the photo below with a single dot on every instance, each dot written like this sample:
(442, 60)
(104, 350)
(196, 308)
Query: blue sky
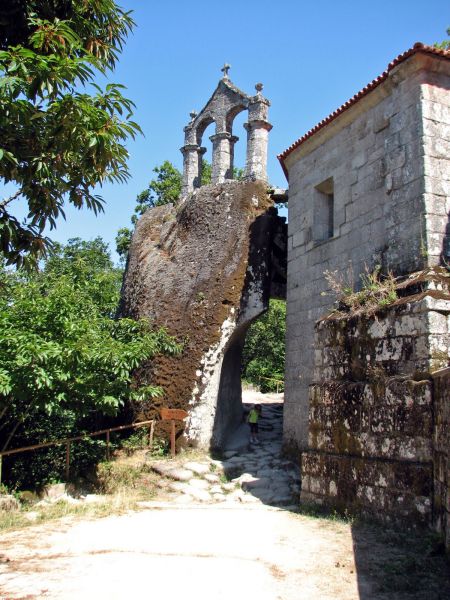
(311, 57)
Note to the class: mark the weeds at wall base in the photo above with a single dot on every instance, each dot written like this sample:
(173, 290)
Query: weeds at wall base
(316, 511)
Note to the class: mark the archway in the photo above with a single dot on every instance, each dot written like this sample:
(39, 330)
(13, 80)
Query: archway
(256, 348)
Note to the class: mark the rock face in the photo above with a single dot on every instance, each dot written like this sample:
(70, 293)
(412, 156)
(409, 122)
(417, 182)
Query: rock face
(202, 270)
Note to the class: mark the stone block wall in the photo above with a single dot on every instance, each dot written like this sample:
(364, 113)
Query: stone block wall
(371, 411)
(435, 107)
(441, 458)
(380, 166)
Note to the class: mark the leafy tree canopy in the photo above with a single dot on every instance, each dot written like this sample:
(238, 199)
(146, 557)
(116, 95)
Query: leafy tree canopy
(445, 45)
(57, 142)
(60, 350)
(164, 189)
(264, 349)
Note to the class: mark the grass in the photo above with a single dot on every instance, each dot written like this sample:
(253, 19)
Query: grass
(377, 290)
(117, 503)
(316, 511)
(123, 483)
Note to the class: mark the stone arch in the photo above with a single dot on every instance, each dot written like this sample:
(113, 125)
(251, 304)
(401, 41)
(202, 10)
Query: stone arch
(201, 127)
(232, 114)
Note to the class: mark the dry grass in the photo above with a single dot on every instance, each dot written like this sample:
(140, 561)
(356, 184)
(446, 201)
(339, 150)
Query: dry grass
(377, 291)
(123, 483)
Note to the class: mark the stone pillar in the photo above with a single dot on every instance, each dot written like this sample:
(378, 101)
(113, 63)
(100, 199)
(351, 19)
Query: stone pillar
(233, 140)
(190, 167)
(200, 152)
(221, 156)
(258, 128)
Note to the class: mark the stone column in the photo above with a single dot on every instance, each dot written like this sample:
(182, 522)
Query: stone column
(233, 140)
(258, 128)
(190, 167)
(221, 156)
(200, 152)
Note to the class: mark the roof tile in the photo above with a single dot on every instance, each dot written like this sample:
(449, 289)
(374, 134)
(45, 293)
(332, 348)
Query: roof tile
(418, 47)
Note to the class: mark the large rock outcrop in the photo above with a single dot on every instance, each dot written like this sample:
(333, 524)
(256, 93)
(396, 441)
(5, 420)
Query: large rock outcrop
(202, 270)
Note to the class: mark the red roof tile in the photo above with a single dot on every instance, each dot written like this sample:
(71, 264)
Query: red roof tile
(418, 47)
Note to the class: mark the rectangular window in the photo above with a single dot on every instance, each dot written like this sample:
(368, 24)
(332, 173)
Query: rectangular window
(324, 211)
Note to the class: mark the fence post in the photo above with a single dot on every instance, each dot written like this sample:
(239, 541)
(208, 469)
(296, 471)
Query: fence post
(107, 445)
(151, 433)
(67, 461)
(172, 438)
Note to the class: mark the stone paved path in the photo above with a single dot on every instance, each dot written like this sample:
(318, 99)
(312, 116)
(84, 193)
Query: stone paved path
(248, 473)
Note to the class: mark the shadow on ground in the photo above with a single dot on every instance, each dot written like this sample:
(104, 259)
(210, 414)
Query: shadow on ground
(395, 563)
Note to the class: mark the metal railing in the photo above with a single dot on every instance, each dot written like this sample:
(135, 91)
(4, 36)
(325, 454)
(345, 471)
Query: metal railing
(68, 442)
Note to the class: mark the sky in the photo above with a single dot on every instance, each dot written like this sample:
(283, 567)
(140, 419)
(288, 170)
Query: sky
(310, 56)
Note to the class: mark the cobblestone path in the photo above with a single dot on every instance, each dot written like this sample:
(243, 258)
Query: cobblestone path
(246, 473)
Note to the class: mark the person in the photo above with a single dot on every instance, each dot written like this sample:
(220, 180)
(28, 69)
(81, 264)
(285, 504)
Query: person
(252, 420)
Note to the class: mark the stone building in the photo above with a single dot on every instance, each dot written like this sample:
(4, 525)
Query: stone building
(369, 186)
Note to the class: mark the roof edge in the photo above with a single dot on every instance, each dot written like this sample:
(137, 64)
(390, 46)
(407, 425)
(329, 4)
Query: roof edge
(417, 48)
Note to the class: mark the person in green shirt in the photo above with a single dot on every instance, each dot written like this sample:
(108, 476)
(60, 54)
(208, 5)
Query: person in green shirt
(252, 420)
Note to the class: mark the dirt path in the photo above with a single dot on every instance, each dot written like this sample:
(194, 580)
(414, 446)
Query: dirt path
(193, 552)
(237, 544)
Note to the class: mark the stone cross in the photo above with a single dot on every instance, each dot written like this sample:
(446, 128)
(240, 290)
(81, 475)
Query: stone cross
(226, 67)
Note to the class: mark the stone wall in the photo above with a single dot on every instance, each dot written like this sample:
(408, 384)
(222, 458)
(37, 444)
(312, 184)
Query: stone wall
(369, 188)
(371, 411)
(435, 107)
(441, 459)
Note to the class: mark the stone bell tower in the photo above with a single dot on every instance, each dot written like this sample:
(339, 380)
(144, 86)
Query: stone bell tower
(224, 105)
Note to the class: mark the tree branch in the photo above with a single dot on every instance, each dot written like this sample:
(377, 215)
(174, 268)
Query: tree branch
(6, 201)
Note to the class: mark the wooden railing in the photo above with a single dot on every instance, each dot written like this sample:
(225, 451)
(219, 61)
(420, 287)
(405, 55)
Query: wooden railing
(279, 382)
(68, 442)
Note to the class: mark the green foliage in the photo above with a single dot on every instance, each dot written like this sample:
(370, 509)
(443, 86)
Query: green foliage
(206, 172)
(58, 141)
(164, 189)
(377, 290)
(238, 174)
(264, 350)
(34, 470)
(444, 45)
(62, 355)
(123, 241)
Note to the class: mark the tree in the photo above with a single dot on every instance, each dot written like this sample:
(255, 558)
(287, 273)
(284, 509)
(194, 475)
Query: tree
(164, 189)
(57, 142)
(264, 350)
(61, 352)
(445, 45)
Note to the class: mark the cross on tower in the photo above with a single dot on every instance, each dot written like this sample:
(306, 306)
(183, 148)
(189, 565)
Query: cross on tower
(226, 67)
